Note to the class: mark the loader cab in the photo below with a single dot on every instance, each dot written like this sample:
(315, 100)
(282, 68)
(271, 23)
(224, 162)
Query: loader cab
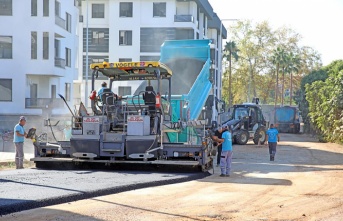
(250, 113)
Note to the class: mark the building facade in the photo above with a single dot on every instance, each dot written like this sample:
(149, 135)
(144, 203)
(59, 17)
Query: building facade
(38, 56)
(134, 30)
(44, 45)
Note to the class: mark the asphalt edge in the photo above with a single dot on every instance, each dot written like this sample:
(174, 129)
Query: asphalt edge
(28, 205)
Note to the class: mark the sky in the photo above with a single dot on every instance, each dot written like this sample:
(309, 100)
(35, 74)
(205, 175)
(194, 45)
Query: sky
(319, 22)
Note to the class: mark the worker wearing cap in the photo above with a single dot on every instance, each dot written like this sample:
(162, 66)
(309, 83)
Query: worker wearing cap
(226, 154)
(101, 90)
(18, 139)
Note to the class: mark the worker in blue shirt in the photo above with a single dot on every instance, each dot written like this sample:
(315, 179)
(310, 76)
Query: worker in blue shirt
(272, 137)
(226, 154)
(101, 90)
(18, 140)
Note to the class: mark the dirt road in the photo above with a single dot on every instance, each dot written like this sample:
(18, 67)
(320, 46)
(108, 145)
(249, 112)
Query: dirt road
(305, 182)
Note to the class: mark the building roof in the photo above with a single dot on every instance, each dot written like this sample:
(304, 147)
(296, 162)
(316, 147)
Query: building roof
(215, 23)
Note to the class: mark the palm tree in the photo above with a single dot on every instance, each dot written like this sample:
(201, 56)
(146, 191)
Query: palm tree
(293, 66)
(285, 62)
(277, 59)
(230, 51)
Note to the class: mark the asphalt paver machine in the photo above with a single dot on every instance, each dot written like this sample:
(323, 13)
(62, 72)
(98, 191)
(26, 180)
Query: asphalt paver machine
(130, 129)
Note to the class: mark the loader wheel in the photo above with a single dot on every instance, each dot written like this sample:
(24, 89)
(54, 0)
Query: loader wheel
(260, 135)
(242, 137)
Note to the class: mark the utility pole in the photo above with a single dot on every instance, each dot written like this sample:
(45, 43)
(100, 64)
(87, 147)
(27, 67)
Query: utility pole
(86, 85)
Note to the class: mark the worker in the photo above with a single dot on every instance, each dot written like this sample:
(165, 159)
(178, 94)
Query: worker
(226, 153)
(272, 136)
(18, 140)
(101, 91)
(218, 135)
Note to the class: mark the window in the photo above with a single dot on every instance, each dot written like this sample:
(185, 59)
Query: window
(67, 91)
(149, 58)
(33, 45)
(5, 7)
(98, 11)
(5, 89)
(159, 9)
(46, 8)
(68, 22)
(125, 59)
(57, 8)
(33, 7)
(45, 45)
(68, 57)
(125, 9)
(124, 90)
(53, 91)
(77, 2)
(98, 37)
(125, 37)
(5, 47)
(57, 48)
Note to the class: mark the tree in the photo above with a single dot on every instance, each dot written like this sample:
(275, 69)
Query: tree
(258, 69)
(325, 99)
(293, 65)
(277, 60)
(230, 51)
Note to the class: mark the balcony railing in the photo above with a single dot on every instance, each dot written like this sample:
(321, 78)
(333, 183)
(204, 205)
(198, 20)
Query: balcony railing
(60, 62)
(60, 22)
(43, 103)
(183, 18)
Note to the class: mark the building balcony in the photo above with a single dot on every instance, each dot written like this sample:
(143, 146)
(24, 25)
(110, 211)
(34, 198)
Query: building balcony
(42, 103)
(183, 18)
(60, 22)
(60, 62)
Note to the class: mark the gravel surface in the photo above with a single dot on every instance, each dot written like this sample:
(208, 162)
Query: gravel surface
(32, 188)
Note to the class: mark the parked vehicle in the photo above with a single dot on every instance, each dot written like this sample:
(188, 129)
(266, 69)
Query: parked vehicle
(287, 119)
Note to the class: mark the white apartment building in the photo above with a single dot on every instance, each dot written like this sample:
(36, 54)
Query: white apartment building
(134, 30)
(38, 56)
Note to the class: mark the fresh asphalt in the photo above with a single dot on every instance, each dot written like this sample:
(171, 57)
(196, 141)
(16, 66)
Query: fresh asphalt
(32, 188)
